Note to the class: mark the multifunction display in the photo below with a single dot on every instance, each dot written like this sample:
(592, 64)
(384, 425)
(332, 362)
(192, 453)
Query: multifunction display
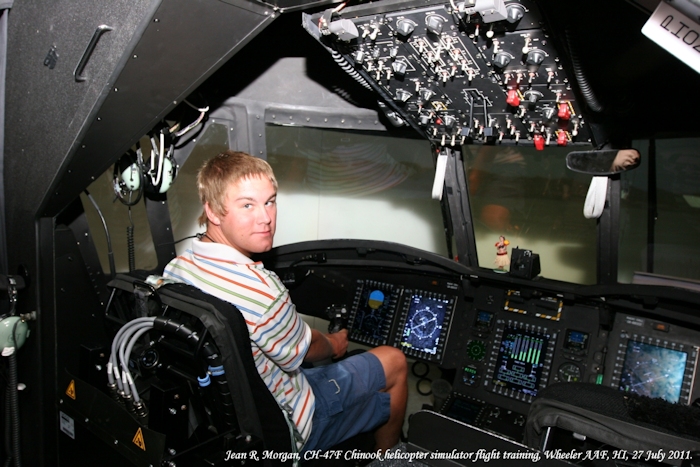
(523, 360)
(425, 322)
(415, 321)
(373, 312)
(654, 359)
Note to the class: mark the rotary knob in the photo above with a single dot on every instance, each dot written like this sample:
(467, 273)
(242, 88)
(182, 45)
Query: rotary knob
(514, 12)
(405, 27)
(425, 95)
(532, 96)
(501, 60)
(434, 23)
(535, 57)
(402, 95)
(399, 67)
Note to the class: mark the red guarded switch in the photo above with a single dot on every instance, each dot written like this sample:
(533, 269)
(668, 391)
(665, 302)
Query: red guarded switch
(562, 139)
(564, 111)
(512, 98)
(539, 142)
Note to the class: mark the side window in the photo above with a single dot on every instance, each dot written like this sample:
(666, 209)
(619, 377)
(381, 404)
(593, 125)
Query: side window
(354, 185)
(533, 200)
(660, 217)
(183, 199)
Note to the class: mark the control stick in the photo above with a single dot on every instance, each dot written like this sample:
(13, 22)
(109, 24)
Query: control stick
(338, 316)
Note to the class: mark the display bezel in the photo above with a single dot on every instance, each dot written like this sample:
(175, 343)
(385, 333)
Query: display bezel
(682, 387)
(433, 353)
(361, 307)
(496, 380)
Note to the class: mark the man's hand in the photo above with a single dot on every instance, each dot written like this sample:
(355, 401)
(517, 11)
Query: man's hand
(339, 342)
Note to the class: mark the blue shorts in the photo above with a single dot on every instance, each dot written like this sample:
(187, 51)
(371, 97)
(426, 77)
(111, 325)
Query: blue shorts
(348, 400)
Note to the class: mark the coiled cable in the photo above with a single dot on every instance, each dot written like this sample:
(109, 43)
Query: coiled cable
(349, 69)
(130, 249)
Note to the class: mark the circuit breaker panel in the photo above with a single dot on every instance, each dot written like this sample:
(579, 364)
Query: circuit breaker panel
(464, 72)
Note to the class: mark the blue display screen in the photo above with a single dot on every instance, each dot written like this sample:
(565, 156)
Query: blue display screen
(424, 324)
(520, 360)
(653, 371)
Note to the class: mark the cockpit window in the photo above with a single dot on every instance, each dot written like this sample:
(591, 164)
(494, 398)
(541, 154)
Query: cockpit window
(354, 185)
(660, 213)
(531, 199)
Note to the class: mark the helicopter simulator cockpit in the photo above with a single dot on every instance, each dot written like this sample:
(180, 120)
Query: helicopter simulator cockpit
(507, 191)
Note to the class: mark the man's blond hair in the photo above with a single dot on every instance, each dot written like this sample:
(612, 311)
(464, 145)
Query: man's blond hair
(223, 170)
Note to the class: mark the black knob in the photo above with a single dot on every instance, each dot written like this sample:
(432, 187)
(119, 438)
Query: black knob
(405, 26)
(534, 57)
(434, 24)
(501, 60)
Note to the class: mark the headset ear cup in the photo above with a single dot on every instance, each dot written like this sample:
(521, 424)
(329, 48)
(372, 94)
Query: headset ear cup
(131, 177)
(128, 178)
(169, 173)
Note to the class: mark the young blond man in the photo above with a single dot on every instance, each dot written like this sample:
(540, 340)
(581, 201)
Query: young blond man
(327, 404)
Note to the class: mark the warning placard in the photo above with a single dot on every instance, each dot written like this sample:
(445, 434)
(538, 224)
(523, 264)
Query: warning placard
(138, 439)
(70, 392)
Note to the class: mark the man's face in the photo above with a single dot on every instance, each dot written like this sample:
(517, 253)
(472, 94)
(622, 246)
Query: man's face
(251, 215)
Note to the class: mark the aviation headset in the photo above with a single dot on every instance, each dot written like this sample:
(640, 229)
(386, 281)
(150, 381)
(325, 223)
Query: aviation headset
(132, 175)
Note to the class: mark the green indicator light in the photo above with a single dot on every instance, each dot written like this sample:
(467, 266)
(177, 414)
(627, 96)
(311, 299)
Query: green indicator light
(599, 379)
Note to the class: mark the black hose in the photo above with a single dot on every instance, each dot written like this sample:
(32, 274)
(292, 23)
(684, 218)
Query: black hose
(349, 69)
(583, 84)
(14, 407)
(214, 365)
(8, 428)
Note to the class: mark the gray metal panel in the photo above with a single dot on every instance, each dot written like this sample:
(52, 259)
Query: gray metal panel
(293, 5)
(184, 44)
(46, 107)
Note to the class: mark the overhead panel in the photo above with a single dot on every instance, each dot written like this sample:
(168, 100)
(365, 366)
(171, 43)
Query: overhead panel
(463, 72)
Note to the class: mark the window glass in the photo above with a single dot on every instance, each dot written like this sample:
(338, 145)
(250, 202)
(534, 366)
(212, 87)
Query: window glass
(118, 217)
(668, 248)
(355, 185)
(183, 198)
(533, 200)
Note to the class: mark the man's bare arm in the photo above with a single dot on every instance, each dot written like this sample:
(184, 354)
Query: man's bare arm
(325, 346)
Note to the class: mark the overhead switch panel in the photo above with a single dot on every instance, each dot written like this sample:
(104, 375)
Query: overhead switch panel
(464, 72)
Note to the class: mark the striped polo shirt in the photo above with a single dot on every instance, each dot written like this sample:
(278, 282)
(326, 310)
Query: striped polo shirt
(279, 338)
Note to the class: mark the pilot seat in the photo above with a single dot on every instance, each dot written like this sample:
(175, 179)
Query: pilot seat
(196, 398)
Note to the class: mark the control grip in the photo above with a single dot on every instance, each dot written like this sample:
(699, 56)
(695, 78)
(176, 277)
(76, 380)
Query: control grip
(338, 316)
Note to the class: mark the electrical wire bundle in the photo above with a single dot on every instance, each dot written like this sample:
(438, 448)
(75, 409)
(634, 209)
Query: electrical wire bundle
(119, 377)
(211, 376)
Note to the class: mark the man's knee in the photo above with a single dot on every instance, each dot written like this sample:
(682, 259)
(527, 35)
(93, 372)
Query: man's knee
(393, 361)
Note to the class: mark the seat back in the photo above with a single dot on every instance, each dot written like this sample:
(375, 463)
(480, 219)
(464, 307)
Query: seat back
(625, 421)
(215, 322)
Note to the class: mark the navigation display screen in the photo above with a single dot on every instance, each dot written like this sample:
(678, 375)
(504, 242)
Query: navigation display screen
(375, 305)
(653, 371)
(425, 322)
(520, 360)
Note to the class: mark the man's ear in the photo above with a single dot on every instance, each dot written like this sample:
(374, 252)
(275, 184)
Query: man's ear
(211, 216)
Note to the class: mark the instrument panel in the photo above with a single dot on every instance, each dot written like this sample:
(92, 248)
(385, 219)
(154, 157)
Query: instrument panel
(502, 344)
(414, 320)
